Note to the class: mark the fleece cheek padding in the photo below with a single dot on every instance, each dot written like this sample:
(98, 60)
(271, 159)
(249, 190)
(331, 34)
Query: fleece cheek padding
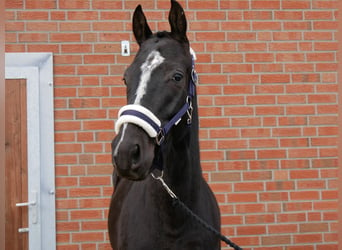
(139, 116)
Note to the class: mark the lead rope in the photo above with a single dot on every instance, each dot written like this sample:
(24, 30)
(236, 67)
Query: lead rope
(176, 202)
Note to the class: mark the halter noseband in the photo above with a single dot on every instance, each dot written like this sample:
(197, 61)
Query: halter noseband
(144, 118)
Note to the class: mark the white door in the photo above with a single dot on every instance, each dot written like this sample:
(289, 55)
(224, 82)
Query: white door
(37, 69)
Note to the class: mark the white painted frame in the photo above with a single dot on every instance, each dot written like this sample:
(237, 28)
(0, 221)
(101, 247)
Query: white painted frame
(37, 69)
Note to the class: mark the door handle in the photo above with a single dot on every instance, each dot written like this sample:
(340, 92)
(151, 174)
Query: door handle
(33, 214)
(29, 203)
(25, 204)
(23, 230)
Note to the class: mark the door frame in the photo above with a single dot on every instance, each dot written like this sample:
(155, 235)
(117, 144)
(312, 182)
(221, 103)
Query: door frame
(37, 69)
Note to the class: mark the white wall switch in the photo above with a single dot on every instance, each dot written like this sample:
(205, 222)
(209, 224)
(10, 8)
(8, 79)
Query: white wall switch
(125, 50)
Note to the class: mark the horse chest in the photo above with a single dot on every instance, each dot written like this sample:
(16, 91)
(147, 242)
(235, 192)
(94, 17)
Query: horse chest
(144, 219)
(135, 203)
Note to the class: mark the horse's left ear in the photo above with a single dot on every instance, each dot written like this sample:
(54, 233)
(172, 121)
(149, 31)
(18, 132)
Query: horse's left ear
(177, 21)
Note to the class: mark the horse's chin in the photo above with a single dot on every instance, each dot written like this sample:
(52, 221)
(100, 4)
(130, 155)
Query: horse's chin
(133, 175)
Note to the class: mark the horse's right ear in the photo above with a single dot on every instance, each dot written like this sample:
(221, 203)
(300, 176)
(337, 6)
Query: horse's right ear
(141, 29)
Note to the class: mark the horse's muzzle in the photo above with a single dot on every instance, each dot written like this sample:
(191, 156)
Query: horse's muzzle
(133, 152)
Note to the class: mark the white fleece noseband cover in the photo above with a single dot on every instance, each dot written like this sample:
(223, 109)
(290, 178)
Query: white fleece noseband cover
(125, 116)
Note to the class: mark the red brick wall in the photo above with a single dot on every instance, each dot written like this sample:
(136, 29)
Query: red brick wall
(268, 111)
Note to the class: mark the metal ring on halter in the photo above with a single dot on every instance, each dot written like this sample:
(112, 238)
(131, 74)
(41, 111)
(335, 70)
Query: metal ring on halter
(166, 187)
(160, 176)
(194, 76)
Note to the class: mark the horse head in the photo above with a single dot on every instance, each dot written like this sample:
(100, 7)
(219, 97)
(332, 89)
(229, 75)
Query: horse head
(158, 83)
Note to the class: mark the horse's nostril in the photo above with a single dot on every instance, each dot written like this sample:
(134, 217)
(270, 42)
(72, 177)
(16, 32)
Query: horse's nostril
(135, 154)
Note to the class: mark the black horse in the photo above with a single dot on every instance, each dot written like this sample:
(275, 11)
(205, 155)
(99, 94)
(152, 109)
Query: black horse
(154, 136)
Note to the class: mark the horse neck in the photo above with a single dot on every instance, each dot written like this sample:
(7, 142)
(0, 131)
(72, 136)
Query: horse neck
(182, 157)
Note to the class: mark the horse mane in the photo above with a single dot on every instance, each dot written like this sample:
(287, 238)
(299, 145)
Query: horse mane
(160, 35)
(166, 34)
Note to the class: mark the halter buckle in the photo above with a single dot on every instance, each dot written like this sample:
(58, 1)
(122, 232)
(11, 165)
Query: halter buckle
(190, 110)
(160, 137)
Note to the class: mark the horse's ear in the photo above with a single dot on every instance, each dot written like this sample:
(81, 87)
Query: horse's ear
(177, 21)
(141, 29)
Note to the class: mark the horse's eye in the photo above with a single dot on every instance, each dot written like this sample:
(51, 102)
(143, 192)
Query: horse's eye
(177, 77)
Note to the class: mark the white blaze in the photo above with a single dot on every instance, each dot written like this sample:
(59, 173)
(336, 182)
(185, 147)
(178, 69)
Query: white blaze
(115, 152)
(154, 59)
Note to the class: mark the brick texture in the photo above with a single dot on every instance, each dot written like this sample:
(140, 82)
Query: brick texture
(268, 111)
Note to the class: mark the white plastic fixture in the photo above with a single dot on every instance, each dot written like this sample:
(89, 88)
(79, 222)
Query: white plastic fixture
(125, 49)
